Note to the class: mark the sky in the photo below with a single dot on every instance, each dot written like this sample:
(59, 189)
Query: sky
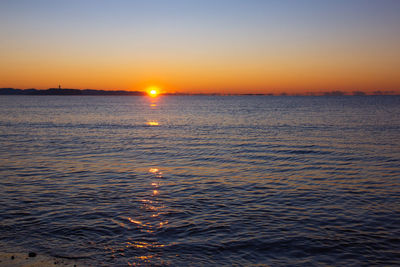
(204, 46)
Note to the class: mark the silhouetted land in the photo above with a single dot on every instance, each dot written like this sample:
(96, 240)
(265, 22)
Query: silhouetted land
(59, 91)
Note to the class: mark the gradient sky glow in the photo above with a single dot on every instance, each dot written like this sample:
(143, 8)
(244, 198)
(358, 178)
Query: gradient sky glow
(225, 46)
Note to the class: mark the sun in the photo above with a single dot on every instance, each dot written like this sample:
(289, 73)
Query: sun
(153, 91)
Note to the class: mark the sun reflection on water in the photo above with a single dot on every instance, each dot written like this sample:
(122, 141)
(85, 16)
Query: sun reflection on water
(135, 221)
(152, 123)
(150, 220)
(141, 244)
(144, 259)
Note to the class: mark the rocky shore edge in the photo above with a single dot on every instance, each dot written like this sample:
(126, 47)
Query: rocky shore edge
(32, 259)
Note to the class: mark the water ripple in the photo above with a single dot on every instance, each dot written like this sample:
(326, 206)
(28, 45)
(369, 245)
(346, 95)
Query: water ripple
(198, 180)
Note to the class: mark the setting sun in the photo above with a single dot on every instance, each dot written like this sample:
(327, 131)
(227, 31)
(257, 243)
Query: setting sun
(153, 91)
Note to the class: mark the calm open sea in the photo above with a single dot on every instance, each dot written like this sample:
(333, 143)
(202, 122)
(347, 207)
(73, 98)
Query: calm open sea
(202, 180)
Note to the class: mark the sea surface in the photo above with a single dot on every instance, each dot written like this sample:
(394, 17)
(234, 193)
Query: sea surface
(202, 180)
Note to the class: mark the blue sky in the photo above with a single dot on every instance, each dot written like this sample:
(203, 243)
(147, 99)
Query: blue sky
(149, 41)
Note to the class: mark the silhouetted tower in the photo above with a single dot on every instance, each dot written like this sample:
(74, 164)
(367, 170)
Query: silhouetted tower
(59, 86)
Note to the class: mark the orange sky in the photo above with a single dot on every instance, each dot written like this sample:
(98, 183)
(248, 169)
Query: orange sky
(229, 47)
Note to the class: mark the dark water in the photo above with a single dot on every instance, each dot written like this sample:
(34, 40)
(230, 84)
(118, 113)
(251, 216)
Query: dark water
(201, 180)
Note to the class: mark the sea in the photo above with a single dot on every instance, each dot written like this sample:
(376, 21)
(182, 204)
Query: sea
(202, 180)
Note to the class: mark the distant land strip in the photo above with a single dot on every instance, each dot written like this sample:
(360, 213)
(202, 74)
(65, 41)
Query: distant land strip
(62, 91)
(59, 91)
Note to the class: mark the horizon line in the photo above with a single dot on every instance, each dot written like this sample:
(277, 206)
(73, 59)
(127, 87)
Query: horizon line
(75, 91)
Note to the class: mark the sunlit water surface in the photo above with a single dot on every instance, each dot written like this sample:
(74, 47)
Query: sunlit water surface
(202, 180)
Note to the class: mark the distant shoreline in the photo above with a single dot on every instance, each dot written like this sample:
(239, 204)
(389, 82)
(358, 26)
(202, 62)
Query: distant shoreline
(59, 91)
(94, 92)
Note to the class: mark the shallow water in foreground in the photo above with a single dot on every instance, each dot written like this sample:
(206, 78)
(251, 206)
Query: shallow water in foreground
(202, 180)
